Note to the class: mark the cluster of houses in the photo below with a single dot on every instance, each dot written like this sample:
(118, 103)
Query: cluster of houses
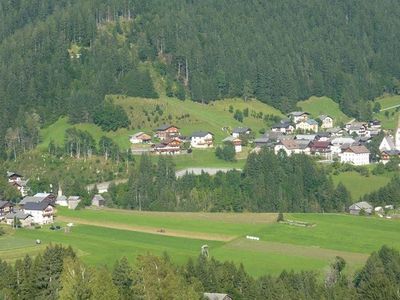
(40, 208)
(171, 141)
(366, 208)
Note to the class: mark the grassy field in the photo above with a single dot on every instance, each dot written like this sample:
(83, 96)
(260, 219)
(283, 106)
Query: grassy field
(390, 121)
(192, 116)
(102, 236)
(359, 185)
(323, 105)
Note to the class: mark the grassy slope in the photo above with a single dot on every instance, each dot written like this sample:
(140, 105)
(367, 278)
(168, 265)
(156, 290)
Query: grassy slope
(359, 185)
(207, 117)
(323, 105)
(391, 121)
(281, 246)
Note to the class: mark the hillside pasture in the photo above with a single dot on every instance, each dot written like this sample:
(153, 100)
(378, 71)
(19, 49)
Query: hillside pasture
(389, 117)
(323, 106)
(359, 185)
(102, 236)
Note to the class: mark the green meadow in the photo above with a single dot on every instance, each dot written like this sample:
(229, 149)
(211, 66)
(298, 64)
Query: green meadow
(359, 185)
(323, 105)
(102, 236)
(389, 117)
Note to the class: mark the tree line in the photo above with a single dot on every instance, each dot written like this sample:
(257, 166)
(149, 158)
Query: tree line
(57, 273)
(268, 183)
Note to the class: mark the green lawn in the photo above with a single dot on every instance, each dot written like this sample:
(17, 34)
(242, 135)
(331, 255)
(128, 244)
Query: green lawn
(389, 101)
(389, 121)
(323, 105)
(359, 185)
(280, 247)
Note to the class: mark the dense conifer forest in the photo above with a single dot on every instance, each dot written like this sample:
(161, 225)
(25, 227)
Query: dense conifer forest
(58, 273)
(63, 57)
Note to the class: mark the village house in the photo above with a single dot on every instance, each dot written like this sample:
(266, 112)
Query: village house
(237, 143)
(39, 197)
(341, 143)
(335, 131)
(298, 116)
(323, 136)
(284, 127)
(167, 132)
(169, 146)
(202, 139)
(293, 147)
(98, 201)
(356, 155)
(386, 155)
(240, 131)
(307, 125)
(62, 200)
(327, 121)
(308, 137)
(356, 208)
(73, 202)
(358, 128)
(5, 208)
(140, 138)
(17, 181)
(41, 212)
(262, 141)
(22, 219)
(375, 124)
(321, 148)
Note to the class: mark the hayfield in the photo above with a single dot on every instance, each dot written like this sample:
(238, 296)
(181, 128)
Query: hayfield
(323, 105)
(102, 236)
(359, 185)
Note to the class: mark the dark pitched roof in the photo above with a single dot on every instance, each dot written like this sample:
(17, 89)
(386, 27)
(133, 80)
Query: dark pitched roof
(4, 204)
(200, 134)
(241, 130)
(36, 206)
(19, 214)
(9, 174)
(298, 113)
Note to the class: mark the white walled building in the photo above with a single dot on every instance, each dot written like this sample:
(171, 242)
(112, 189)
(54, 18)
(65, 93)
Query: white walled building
(356, 155)
(202, 140)
(42, 212)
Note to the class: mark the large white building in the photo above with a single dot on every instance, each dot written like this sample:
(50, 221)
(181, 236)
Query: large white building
(356, 155)
(201, 139)
(42, 212)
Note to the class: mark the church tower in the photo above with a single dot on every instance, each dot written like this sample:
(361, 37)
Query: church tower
(397, 136)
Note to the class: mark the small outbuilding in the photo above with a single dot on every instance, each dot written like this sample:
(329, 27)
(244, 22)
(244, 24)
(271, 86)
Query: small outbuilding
(356, 208)
(22, 219)
(73, 201)
(98, 201)
(217, 296)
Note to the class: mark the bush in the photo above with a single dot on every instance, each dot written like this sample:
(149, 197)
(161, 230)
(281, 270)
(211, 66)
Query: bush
(227, 152)
(2, 231)
(280, 217)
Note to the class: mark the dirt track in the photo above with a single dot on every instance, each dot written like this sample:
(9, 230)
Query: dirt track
(152, 230)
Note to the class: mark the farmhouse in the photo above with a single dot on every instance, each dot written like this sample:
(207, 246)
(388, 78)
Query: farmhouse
(5, 208)
(17, 181)
(357, 128)
(293, 147)
(73, 202)
(356, 208)
(42, 212)
(335, 131)
(321, 148)
(298, 116)
(98, 201)
(327, 121)
(356, 155)
(167, 132)
(262, 141)
(169, 146)
(24, 219)
(307, 125)
(39, 197)
(237, 143)
(201, 139)
(284, 127)
(238, 131)
(140, 138)
(386, 155)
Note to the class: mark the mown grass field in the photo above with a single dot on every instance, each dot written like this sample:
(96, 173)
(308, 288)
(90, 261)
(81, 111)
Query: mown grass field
(323, 105)
(102, 236)
(359, 185)
(389, 121)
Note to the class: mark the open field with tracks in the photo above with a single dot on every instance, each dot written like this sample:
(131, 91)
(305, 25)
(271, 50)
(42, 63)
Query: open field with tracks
(104, 235)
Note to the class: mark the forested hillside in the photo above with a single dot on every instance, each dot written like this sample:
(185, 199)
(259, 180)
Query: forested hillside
(63, 57)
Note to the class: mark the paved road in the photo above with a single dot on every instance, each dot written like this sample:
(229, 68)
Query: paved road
(391, 107)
